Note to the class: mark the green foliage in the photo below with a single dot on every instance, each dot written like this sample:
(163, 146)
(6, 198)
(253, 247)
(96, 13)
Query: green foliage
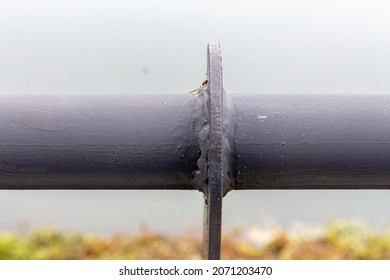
(340, 239)
(357, 240)
(12, 247)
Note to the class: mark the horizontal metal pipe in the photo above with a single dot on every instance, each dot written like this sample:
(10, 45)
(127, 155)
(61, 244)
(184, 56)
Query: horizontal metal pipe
(329, 141)
(98, 141)
(158, 141)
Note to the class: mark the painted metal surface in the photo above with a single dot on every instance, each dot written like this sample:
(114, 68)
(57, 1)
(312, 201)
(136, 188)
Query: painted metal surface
(322, 141)
(216, 168)
(98, 142)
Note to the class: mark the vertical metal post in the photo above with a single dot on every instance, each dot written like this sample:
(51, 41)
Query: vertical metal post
(215, 182)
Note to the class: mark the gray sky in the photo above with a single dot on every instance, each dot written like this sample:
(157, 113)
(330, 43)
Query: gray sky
(126, 46)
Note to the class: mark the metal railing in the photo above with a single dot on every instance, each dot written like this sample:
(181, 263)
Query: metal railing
(203, 140)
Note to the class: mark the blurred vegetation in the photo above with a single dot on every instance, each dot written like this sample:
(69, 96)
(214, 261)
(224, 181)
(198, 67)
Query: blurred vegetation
(338, 239)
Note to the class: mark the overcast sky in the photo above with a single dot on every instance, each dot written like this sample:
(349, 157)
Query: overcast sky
(126, 46)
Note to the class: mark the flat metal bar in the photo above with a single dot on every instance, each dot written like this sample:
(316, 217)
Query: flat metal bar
(319, 141)
(214, 191)
(98, 141)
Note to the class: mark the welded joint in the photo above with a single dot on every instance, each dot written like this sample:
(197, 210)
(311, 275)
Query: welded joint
(202, 125)
(214, 127)
(217, 158)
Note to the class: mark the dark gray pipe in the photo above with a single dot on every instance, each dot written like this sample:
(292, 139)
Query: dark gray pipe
(312, 141)
(154, 141)
(99, 141)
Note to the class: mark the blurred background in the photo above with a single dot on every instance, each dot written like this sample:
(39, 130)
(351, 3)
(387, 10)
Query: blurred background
(153, 46)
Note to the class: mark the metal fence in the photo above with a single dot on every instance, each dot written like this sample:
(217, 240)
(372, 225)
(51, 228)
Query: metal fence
(202, 140)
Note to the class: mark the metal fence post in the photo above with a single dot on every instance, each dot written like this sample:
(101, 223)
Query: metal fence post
(216, 180)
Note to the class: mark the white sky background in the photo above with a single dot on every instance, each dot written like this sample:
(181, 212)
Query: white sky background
(92, 46)
(159, 46)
